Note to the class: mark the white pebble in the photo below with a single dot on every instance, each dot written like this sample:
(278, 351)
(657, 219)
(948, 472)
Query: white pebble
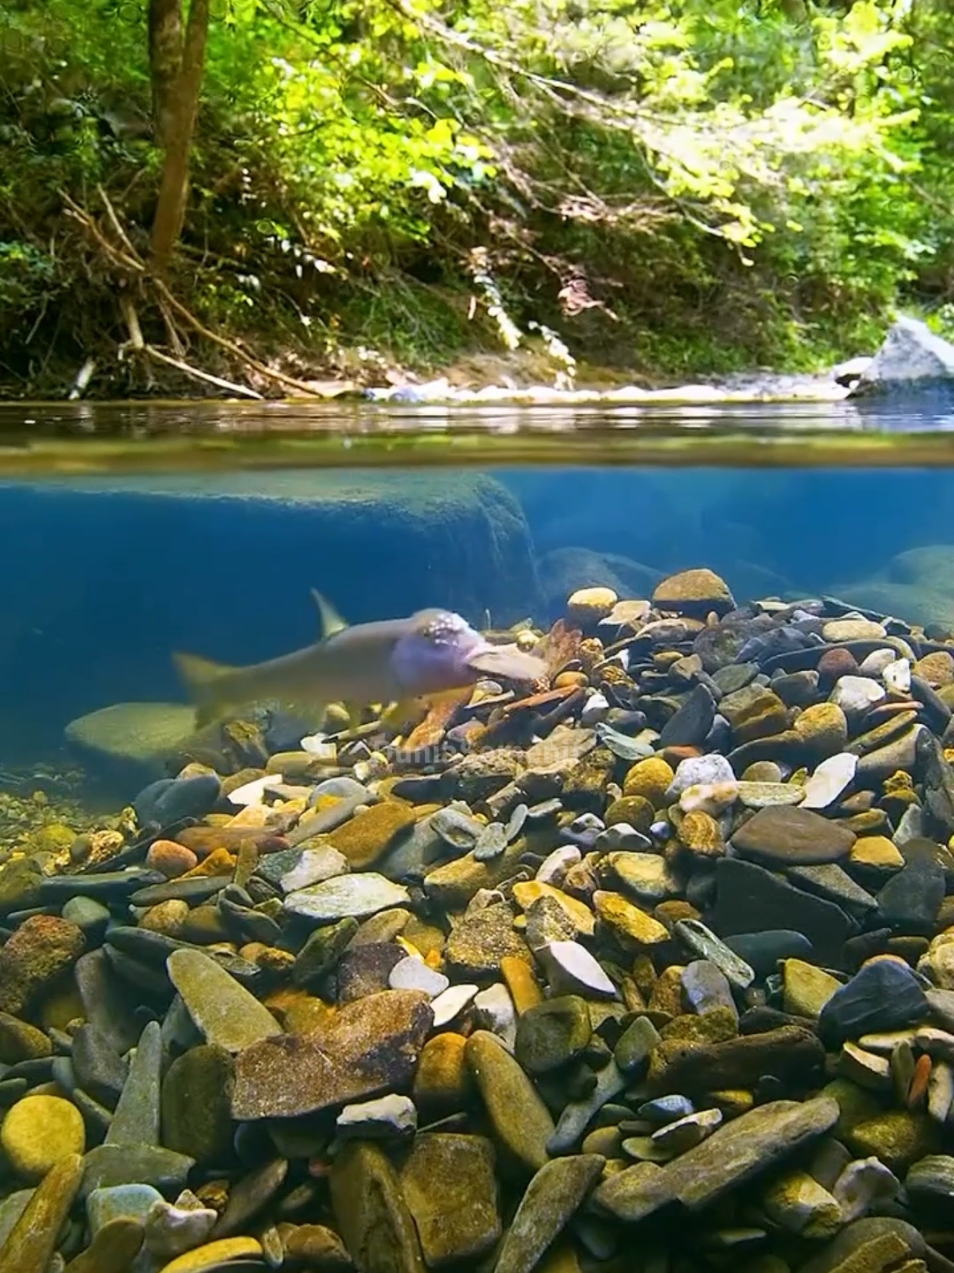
(863, 1183)
(856, 694)
(594, 709)
(829, 780)
(387, 1116)
(553, 868)
(709, 797)
(875, 663)
(254, 792)
(897, 677)
(451, 1002)
(172, 1230)
(414, 974)
(571, 969)
(496, 1012)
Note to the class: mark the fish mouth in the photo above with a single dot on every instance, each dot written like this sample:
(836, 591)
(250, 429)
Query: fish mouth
(507, 661)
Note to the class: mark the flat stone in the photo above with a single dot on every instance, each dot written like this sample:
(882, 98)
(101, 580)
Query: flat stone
(856, 695)
(806, 989)
(358, 895)
(898, 754)
(764, 795)
(577, 1115)
(250, 1195)
(706, 987)
(412, 973)
(837, 630)
(553, 1033)
(136, 1119)
(884, 995)
(291, 870)
(226, 1013)
(830, 780)
(694, 592)
(367, 836)
(646, 876)
(762, 951)
(99, 1068)
(38, 955)
(792, 837)
(627, 920)
(734, 1154)
(788, 1053)
(196, 1104)
(797, 1203)
(133, 1201)
(520, 1119)
(224, 1253)
(449, 1185)
(169, 800)
(385, 1118)
(112, 1250)
(571, 969)
(747, 894)
(172, 1230)
(829, 880)
(481, 939)
(551, 1199)
(689, 726)
(30, 1244)
(366, 1047)
(635, 1044)
(451, 1002)
(911, 899)
(371, 1213)
(683, 1133)
(107, 1165)
(704, 943)
(877, 852)
(365, 970)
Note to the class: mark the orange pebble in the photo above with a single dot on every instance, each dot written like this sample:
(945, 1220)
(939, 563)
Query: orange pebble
(170, 858)
(917, 1092)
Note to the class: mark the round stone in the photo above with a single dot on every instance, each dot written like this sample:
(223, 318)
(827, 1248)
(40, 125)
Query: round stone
(649, 778)
(694, 592)
(823, 728)
(588, 605)
(170, 858)
(635, 811)
(38, 1132)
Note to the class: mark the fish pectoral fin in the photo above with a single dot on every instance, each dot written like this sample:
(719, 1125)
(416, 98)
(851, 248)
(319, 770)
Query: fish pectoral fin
(331, 620)
(500, 660)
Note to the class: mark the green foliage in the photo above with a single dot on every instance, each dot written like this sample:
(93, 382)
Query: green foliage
(680, 185)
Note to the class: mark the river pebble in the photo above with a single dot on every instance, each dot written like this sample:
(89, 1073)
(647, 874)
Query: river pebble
(653, 964)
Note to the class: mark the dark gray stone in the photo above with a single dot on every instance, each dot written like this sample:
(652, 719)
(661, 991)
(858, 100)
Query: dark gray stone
(751, 899)
(689, 726)
(98, 1067)
(880, 996)
(762, 951)
(171, 799)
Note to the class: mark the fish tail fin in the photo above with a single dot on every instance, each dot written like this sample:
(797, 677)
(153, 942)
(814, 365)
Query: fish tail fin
(331, 620)
(205, 681)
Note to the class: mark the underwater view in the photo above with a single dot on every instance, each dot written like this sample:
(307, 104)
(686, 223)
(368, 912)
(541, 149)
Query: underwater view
(537, 855)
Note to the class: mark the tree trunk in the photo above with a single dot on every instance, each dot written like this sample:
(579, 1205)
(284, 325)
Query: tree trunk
(174, 185)
(165, 62)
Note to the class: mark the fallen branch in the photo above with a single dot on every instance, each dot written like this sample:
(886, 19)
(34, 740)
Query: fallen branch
(188, 370)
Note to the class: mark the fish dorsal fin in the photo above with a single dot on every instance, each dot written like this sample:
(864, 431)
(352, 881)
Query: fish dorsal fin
(331, 620)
